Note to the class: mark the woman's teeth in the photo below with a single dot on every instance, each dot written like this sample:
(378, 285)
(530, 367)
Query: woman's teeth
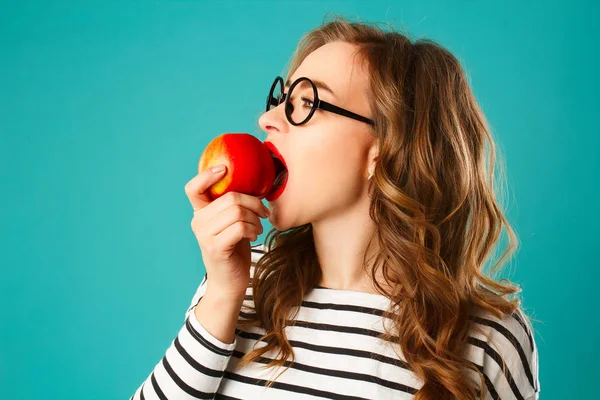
(280, 178)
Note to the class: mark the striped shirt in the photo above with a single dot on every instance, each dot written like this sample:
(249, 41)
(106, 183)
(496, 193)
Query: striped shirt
(337, 355)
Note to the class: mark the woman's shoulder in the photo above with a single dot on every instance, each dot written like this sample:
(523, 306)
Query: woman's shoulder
(516, 325)
(505, 349)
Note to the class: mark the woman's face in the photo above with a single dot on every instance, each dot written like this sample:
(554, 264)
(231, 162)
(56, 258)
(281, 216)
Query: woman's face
(327, 157)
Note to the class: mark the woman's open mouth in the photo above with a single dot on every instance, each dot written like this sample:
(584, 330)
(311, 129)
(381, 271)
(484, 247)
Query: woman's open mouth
(281, 173)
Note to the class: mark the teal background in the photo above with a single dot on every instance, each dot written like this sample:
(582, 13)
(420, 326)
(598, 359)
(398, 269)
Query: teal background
(105, 108)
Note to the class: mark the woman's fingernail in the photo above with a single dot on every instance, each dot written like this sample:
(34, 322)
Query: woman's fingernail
(218, 168)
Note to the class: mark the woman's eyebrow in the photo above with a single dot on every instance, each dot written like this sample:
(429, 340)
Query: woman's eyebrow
(318, 83)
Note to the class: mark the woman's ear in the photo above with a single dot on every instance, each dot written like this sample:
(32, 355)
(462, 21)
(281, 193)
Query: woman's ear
(373, 153)
(372, 158)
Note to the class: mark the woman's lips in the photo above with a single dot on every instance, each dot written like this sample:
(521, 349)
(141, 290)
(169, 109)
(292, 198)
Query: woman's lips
(275, 151)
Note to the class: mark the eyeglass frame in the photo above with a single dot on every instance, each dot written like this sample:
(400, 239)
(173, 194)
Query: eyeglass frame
(317, 103)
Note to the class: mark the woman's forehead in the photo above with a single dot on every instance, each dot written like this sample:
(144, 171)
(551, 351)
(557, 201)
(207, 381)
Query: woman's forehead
(336, 65)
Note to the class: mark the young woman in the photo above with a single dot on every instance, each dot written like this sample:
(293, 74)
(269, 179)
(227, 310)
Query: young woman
(372, 283)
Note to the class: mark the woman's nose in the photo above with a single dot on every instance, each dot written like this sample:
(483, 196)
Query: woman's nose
(274, 120)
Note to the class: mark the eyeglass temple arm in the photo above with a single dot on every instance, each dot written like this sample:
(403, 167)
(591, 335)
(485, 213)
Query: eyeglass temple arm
(335, 109)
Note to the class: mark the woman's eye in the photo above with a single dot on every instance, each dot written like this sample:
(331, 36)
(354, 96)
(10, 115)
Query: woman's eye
(309, 101)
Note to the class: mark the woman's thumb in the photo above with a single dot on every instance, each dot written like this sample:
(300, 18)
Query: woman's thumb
(196, 189)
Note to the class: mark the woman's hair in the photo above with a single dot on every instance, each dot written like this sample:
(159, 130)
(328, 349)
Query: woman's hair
(433, 202)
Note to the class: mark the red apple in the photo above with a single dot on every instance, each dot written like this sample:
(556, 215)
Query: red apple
(251, 167)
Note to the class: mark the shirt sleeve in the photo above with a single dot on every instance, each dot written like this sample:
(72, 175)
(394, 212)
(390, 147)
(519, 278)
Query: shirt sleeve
(193, 365)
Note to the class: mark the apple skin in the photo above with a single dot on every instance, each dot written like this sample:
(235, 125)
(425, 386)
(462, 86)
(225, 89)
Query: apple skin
(250, 166)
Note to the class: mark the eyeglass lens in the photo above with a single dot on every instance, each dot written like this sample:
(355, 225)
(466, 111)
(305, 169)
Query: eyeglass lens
(300, 103)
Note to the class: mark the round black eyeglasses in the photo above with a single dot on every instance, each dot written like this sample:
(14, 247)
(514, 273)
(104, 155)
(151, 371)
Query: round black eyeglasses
(302, 100)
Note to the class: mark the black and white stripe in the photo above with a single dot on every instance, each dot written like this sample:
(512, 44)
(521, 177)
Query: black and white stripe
(338, 355)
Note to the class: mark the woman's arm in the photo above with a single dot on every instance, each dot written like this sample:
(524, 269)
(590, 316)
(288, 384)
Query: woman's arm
(193, 365)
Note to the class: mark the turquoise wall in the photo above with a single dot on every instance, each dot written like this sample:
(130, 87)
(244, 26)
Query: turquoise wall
(106, 107)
